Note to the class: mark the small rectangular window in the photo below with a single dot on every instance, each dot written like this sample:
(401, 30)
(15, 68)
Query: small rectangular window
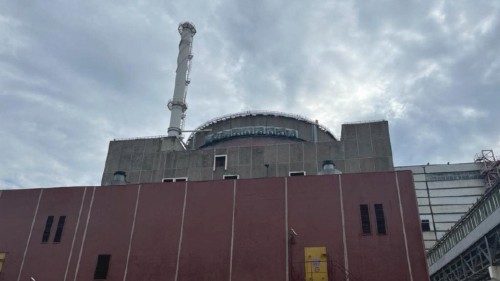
(365, 219)
(101, 269)
(174, 179)
(2, 260)
(220, 162)
(297, 173)
(426, 226)
(59, 230)
(48, 227)
(379, 216)
(230, 177)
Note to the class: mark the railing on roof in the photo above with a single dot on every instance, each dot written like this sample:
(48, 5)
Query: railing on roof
(484, 207)
(255, 113)
(141, 138)
(364, 121)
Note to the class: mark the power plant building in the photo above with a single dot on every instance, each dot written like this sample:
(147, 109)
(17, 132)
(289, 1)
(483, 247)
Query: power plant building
(251, 145)
(249, 196)
(445, 192)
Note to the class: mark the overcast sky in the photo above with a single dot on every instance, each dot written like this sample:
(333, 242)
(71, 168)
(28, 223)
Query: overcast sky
(76, 74)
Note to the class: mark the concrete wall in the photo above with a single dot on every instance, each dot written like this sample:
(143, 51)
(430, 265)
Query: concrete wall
(445, 192)
(215, 230)
(364, 147)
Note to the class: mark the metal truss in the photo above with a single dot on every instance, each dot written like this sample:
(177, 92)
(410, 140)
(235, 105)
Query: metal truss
(490, 167)
(472, 264)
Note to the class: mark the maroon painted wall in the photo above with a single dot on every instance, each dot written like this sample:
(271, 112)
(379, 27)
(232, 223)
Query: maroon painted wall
(215, 230)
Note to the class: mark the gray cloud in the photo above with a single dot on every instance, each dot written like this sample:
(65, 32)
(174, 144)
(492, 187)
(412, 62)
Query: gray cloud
(74, 76)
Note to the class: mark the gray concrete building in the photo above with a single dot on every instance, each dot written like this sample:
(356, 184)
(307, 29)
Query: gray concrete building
(251, 145)
(445, 192)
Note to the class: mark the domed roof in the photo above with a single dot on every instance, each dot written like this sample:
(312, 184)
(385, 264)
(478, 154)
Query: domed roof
(244, 114)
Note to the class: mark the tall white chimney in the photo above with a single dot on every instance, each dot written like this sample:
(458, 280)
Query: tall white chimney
(177, 105)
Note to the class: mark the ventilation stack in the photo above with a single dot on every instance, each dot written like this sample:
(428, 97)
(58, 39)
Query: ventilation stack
(177, 105)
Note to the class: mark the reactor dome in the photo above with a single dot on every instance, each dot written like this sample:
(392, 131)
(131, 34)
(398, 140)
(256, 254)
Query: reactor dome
(257, 128)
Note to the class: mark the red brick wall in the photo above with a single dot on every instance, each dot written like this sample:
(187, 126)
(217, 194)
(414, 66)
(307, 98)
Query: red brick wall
(212, 247)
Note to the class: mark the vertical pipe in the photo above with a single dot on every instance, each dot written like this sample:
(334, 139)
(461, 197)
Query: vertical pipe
(177, 105)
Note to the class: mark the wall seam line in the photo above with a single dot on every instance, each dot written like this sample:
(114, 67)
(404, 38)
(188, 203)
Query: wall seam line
(404, 227)
(344, 238)
(357, 147)
(251, 162)
(276, 161)
(85, 233)
(132, 231)
(430, 206)
(164, 166)
(29, 235)
(287, 273)
(74, 235)
(373, 150)
(316, 156)
(142, 161)
(303, 159)
(232, 234)
(179, 247)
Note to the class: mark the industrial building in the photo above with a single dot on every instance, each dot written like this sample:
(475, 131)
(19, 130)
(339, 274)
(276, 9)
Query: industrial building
(248, 196)
(251, 145)
(445, 192)
(470, 250)
(332, 227)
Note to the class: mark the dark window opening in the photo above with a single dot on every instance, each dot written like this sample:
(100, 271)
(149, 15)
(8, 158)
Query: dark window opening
(296, 174)
(167, 180)
(426, 226)
(181, 179)
(101, 269)
(48, 227)
(379, 215)
(230, 177)
(60, 228)
(365, 219)
(220, 162)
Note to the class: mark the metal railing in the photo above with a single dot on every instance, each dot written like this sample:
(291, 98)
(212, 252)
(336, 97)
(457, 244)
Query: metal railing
(474, 262)
(141, 138)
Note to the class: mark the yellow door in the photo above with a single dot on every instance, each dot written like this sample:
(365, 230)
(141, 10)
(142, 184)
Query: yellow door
(316, 264)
